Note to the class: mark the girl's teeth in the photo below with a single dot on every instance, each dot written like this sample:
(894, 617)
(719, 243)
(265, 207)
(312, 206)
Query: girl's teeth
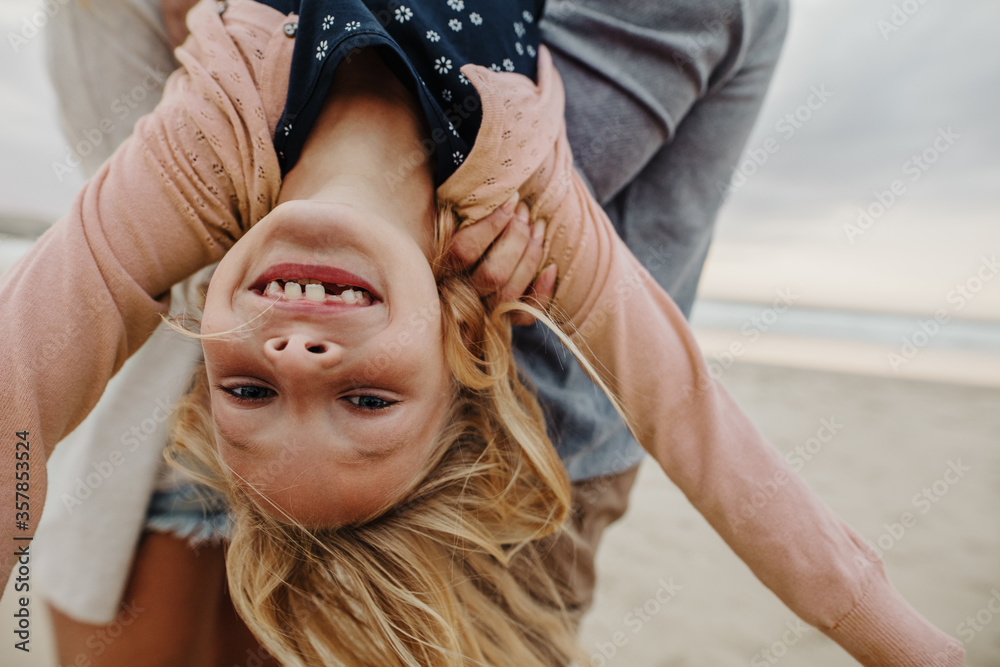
(315, 292)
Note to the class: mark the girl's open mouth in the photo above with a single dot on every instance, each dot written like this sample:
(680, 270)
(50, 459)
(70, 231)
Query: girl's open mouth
(313, 283)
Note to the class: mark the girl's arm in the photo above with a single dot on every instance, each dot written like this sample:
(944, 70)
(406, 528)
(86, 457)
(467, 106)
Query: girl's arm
(196, 173)
(625, 323)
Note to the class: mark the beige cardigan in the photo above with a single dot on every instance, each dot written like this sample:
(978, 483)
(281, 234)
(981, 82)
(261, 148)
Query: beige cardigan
(201, 170)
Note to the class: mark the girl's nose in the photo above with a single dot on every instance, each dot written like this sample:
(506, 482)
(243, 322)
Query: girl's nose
(302, 352)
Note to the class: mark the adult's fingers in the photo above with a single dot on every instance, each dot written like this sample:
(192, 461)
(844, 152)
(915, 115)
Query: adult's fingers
(501, 262)
(544, 288)
(524, 272)
(469, 243)
(538, 295)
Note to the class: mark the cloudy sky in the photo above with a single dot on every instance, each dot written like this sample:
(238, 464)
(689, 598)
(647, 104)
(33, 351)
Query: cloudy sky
(893, 93)
(892, 90)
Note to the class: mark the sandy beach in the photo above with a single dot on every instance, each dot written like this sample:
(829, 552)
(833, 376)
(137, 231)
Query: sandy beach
(898, 437)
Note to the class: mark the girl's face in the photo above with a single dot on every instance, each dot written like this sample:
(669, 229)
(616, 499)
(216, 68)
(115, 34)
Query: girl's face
(327, 406)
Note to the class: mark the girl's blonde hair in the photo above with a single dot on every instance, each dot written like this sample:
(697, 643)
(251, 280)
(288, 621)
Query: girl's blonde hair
(449, 575)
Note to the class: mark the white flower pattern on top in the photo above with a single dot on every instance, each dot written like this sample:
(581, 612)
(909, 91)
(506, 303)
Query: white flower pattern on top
(442, 65)
(433, 60)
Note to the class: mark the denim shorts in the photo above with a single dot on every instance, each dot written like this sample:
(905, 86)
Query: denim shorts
(191, 511)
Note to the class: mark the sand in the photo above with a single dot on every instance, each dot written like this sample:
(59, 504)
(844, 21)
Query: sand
(898, 437)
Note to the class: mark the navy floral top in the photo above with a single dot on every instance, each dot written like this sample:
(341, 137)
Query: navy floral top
(425, 42)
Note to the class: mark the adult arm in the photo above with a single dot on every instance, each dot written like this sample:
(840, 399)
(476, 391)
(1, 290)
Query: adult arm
(196, 173)
(626, 325)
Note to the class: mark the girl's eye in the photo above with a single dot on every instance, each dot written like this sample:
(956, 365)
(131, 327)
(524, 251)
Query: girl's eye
(247, 393)
(370, 403)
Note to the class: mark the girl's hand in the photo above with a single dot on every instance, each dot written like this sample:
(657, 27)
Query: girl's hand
(503, 252)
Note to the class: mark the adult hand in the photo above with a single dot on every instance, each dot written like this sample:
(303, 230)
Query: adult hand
(503, 252)
(174, 15)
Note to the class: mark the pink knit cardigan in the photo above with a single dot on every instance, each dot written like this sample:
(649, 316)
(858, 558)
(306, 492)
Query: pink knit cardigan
(201, 170)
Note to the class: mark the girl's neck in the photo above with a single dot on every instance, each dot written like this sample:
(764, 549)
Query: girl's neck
(360, 150)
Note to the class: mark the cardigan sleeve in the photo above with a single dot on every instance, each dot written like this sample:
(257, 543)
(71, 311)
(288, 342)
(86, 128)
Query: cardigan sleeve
(195, 174)
(626, 325)
(819, 566)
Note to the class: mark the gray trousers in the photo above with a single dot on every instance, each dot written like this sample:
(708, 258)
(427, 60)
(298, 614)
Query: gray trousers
(661, 97)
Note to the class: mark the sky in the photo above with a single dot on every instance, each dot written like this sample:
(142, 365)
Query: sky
(891, 89)
(902, 89)
(29, 134)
